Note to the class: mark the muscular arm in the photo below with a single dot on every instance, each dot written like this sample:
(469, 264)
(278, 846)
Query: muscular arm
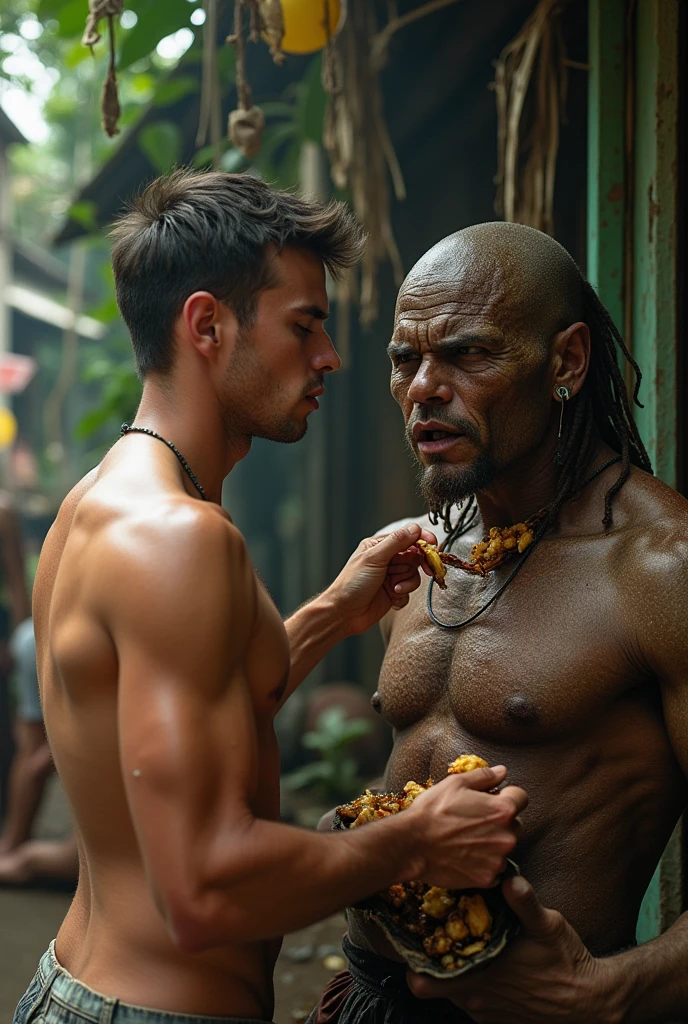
(363, 593)
(191, 753)
(654, 976)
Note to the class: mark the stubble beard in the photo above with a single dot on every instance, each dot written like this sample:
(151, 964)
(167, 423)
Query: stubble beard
(443, 484)
(247, 381)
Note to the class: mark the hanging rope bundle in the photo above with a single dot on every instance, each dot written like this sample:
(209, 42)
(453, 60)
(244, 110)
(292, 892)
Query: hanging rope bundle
(246, 123)
(530, 87)
(110, 9)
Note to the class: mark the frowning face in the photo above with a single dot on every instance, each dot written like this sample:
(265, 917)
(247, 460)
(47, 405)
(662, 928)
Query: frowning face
(471, 380)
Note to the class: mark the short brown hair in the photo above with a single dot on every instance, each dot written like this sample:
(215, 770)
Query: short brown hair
(207, 231)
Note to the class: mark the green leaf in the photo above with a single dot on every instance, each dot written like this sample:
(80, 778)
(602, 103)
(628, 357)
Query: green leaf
(84, 213)
(174, 89)
(279, 109)
(155, 22)
(233, 160)
(51, 8)
(107, 311)
(142, 84)
(72, 18)
(274, 137)
(161, 143)
(309, 774)
(313, 103)
(91, 422)
(76, 54)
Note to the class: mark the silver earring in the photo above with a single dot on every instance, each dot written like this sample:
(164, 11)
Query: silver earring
(563, 394)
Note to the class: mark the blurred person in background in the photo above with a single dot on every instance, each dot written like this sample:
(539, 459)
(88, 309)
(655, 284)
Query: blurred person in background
(22, 859)
(15, 608)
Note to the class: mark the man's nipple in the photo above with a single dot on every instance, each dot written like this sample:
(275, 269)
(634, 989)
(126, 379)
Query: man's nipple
(520, 710)
(376, 702)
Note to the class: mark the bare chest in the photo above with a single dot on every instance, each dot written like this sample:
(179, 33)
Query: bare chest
(267, 656)
(548, 654)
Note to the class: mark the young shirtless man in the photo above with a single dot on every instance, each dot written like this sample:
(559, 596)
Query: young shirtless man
(163, 661)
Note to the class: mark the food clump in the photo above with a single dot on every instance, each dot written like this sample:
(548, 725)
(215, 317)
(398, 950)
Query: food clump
(452, 926)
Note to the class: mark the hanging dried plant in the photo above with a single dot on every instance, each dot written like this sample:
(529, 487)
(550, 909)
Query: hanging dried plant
(530, 87)
(247, 122)
(97, 10)
(361, 153)
(359, 147)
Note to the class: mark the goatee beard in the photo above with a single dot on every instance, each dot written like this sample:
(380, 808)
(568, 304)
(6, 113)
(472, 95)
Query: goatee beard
(442, 484)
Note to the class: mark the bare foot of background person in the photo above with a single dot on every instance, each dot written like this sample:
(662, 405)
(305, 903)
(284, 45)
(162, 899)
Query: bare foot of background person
(43, 859)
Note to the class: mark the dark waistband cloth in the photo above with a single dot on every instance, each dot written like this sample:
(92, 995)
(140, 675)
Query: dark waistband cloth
(55, 997)
(374, 991)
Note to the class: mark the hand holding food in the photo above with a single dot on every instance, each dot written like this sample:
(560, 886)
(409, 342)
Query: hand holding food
(438, 928)
(501, 543)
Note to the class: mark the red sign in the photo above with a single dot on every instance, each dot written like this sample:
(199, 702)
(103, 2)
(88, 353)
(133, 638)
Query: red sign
(15, 372)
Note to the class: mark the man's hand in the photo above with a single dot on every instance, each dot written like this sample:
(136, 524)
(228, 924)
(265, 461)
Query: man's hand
(546, 977)
(467, 832)
(380, 575)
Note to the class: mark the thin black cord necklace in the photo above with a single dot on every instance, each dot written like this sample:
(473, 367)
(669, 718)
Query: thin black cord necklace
(464, 527)
(126, 429)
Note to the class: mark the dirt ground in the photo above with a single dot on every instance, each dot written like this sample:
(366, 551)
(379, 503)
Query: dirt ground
(29, 919)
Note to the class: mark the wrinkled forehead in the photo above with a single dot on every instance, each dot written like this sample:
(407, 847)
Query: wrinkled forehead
(458, 287)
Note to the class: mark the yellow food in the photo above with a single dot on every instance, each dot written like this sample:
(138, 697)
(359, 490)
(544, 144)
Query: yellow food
(435, 563)
(437, 902)
(456, 928)
(466, 763)
(476, 915)
(437, 944)
(418, 908)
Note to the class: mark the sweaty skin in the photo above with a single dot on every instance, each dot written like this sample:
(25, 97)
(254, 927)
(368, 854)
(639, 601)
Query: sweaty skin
(162, 663)
(577, 676)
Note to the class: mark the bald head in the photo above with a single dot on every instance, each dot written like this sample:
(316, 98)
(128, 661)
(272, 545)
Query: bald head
(523, 277)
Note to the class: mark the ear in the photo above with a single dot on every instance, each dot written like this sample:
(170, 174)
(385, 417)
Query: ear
(571, 358)
(208, 324)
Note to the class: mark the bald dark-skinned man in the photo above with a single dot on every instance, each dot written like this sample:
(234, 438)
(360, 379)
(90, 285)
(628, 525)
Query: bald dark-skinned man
(567, 661)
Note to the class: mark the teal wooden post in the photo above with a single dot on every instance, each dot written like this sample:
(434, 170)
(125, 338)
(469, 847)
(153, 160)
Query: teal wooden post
(606, 185)
(655, 338)
(654, 228)
(652, 333)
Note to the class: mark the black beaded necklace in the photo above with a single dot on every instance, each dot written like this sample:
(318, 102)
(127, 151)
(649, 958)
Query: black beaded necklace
(126, 429)
(463, 527)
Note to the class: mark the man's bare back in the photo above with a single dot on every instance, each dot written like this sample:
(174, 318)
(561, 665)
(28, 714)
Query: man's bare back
(89, 547)
(559, 680)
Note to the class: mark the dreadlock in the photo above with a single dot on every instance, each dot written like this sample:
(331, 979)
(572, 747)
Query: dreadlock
(603, 403)
(602, 406)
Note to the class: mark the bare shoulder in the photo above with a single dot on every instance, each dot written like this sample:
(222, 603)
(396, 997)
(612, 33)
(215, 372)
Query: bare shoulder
(171, 554)
(655, 517)
(652, 564)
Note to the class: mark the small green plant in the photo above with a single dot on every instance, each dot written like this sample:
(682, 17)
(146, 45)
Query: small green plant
(335, 776)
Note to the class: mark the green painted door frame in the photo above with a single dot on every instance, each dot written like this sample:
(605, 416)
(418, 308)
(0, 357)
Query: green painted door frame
(632, 255)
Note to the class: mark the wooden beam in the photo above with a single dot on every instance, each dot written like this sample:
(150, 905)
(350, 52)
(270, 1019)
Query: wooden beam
(654, 228)
(655, 304)
(606, 170)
